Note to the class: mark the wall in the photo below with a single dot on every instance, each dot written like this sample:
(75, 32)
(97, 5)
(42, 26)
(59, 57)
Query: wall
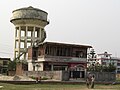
(118, 76)
(11, 73)
(41, 51)
(65, 76)
(19, 70)
(39, 68)
(57, 75)
(30, 66)
(29, 53)
(104, 76)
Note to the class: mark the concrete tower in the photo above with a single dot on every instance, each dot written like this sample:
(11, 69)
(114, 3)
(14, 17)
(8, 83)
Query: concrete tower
(29, 27)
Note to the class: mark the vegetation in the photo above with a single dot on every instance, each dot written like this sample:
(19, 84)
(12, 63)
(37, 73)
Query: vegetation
(101, 68)
(12, 66)
(56, 87)
(98, 67)
(42, 78)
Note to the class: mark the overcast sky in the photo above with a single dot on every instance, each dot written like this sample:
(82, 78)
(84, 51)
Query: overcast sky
(87, 22)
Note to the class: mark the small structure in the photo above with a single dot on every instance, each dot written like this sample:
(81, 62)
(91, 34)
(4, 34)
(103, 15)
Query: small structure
(4, 65)
(52, 56)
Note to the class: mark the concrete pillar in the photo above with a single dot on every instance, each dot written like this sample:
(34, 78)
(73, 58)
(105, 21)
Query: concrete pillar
(85, 72)
(40, 33)
(52, 67)
(66, 68)
(26, 31)
(19, 69)
(33, 36)
(19, 34)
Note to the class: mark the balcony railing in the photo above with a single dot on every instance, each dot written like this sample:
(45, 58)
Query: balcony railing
(62, 59)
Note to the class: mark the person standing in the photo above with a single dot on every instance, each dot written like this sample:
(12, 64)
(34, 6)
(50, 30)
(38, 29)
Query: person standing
(88, 80)
(92, 81)
(36, 79)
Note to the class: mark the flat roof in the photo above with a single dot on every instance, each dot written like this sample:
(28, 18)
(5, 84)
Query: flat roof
(4, 58)
(67, 44)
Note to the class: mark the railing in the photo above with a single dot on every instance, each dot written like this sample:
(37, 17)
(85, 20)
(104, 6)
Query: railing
(62, 59)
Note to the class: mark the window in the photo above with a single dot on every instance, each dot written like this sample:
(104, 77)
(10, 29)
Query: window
(17, 44)
(64, 51)
(42, 32)
(22, 33)
(68, 51)
(33, 68)
(39, 53)
(22, 56)
(23, 29)
(30, 29)
(5, 63)
(59, 67)
(58, 51)
(28, 44)
(22, 44)
(34, 54)
(17, 31)
(29, 33)
(37, 32)
(79, 54)
(4, 70)
(46, 50)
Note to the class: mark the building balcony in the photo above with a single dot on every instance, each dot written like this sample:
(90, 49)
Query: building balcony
(61, 59)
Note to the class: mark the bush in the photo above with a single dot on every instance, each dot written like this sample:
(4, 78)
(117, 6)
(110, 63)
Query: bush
(32, 77)
(44, 78)
(12, 66)
(100, 68)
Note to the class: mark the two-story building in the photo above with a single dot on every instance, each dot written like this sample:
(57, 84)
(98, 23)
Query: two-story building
(51, 56)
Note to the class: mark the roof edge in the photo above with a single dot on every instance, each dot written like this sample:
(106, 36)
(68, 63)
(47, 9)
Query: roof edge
(72, 44)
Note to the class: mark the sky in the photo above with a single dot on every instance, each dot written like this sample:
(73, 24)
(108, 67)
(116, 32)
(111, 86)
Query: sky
(85, 22)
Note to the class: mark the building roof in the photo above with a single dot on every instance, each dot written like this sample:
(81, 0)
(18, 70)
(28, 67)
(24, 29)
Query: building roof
(29, 13)
(67, 44)
(30, 8)
(105, 53)
(4, 58)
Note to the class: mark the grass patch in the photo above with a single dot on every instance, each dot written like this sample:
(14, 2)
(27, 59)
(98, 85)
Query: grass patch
(56, 87)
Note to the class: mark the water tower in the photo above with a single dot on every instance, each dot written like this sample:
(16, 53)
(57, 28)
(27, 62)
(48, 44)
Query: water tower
(29, 27)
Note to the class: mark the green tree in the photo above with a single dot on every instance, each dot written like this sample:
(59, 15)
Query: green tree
(12, 66)
(100, 68)
(111, 67)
